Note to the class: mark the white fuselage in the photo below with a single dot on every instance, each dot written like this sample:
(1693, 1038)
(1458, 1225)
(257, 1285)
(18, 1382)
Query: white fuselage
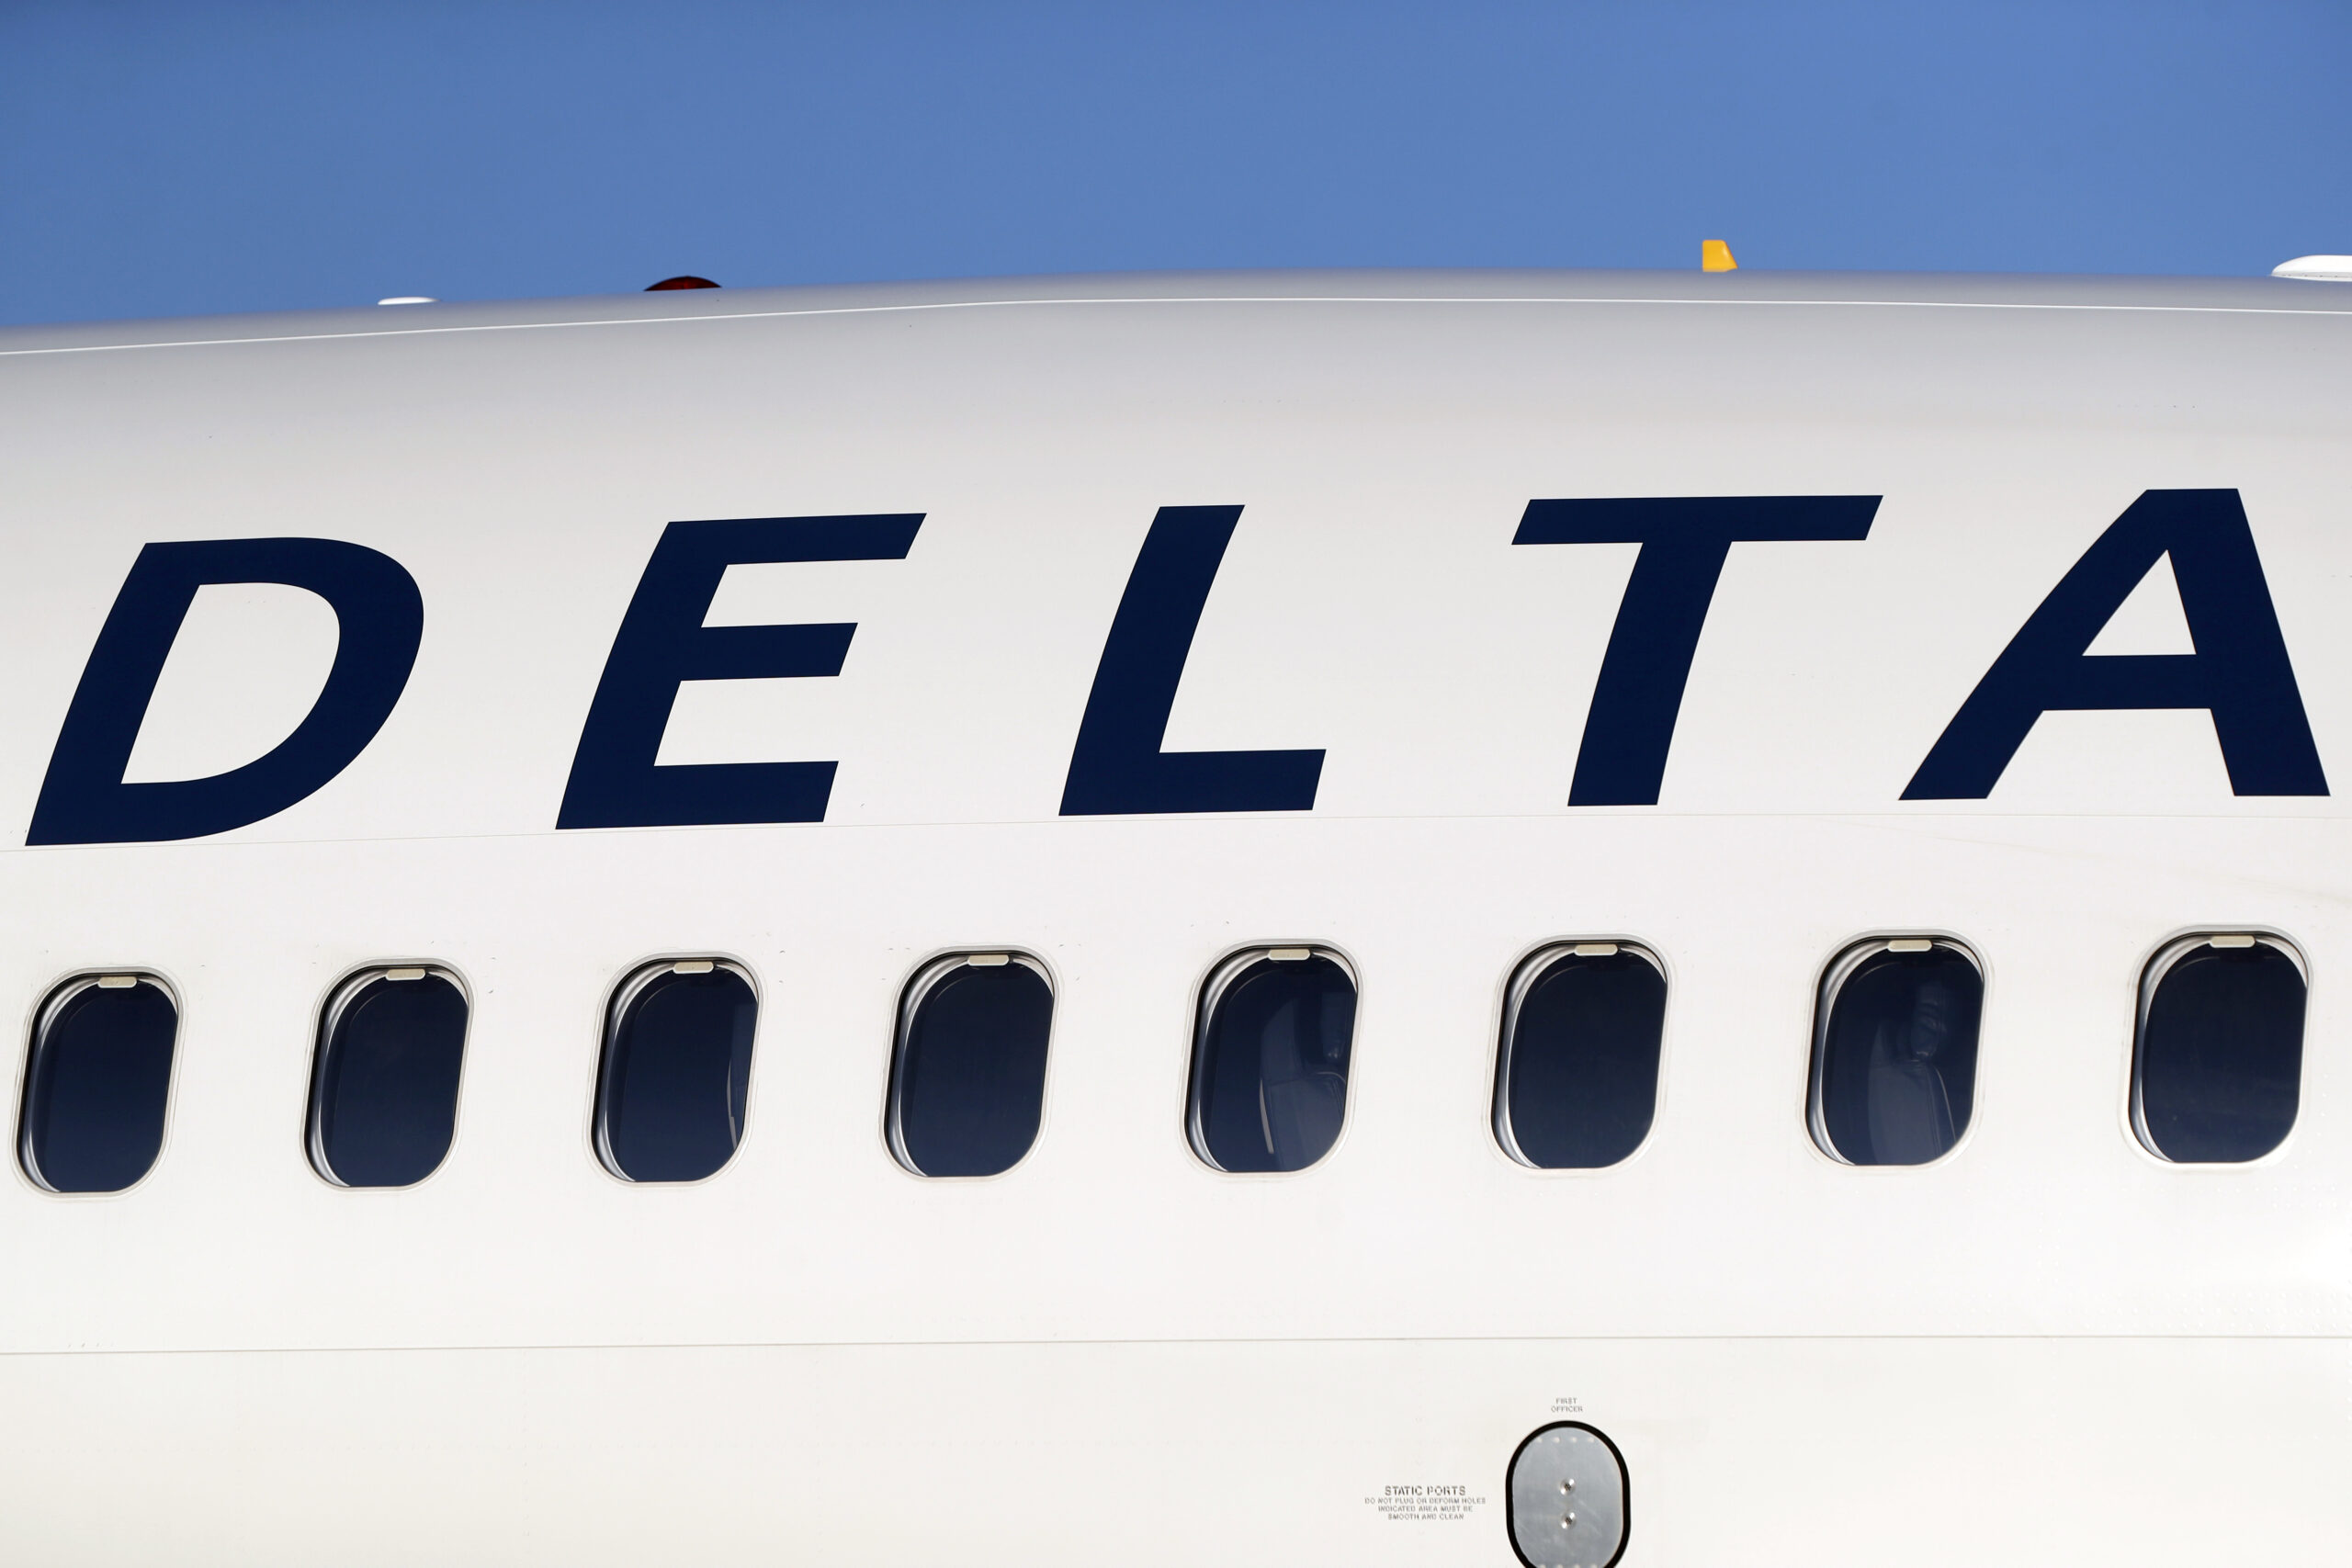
(2049, 1346)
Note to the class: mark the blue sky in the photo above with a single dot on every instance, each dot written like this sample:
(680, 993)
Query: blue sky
(168, 159)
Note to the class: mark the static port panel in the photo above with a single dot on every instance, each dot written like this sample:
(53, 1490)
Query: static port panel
(1568, 1503)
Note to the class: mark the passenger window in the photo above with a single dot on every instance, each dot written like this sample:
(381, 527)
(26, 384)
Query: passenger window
(1894, 1051)
(967, 1078)
(1270, 1059)
(671, 1094)
(384, 1079)
(2216, 1069)
(1576, 1083)
(95, 1086)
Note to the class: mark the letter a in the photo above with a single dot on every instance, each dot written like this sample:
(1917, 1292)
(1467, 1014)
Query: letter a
(2240, 671)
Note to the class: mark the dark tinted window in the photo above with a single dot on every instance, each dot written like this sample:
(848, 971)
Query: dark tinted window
(384, 1089)
(2219, 1067)
(1894, 1052)
(968, 1085)
(1270, 1063)
(677, 1064)
(1577, 1081)
(101, 1070)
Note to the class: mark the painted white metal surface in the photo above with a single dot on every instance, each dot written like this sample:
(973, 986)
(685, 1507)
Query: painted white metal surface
(2050, 1339)
(2316, 269)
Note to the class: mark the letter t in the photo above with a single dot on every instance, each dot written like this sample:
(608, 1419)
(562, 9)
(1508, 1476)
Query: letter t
(1684, 540)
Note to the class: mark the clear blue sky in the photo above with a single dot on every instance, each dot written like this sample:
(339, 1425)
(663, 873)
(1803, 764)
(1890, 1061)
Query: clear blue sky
(161, 158)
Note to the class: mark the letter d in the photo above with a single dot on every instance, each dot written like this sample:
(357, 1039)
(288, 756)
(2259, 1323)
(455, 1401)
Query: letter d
(380, 618)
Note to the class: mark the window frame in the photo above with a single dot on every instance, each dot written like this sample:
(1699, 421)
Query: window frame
(919, 984)
(1522, 980)
(1833, 975)
(2152, 973)
(52, 1001)
(1213, 986)
(338, 1000)
(634, 982)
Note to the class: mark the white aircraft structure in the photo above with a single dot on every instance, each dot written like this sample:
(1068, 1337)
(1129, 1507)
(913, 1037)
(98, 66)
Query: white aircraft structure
(1384, 919)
